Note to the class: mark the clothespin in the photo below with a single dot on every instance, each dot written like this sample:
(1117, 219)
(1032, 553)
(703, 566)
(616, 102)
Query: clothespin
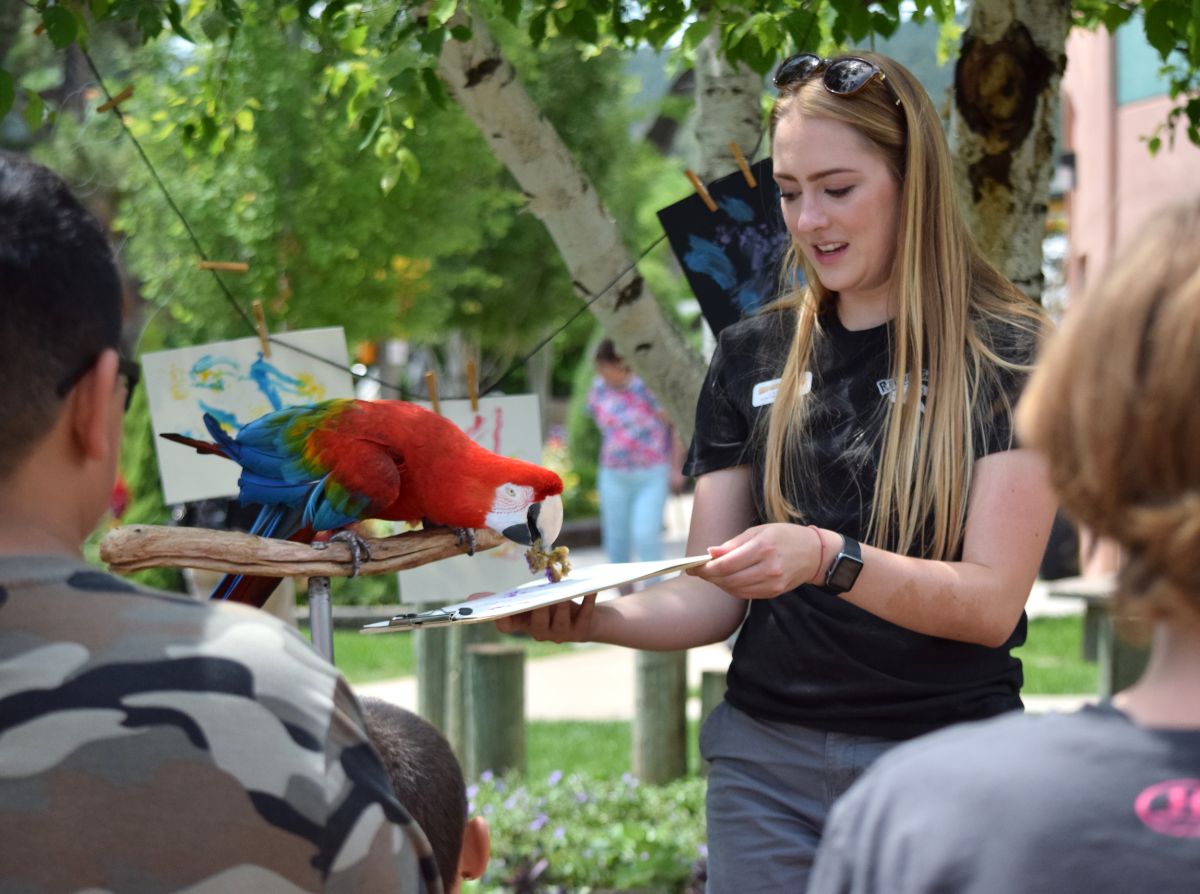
(260, 323)
(116, 100)
(473, 385)
(431, 387)
(229, 266)
(701, 189)
(741, 163)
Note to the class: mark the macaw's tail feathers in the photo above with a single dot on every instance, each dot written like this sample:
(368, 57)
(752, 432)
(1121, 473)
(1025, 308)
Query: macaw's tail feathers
(200, 446)
(246, 589)
(224, 445)
(272, 521)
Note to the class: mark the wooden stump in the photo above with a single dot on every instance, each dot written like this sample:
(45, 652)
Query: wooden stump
(712, 693)
(462, 638)
(495, 715)
(432, 647)
(660, 717)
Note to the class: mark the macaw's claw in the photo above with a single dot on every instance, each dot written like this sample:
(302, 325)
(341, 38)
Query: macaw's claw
(467, 536)
(359, 551)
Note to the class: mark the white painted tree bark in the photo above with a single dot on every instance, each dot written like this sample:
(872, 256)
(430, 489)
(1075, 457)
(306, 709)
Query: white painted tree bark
(487, 88)
(1006, 104)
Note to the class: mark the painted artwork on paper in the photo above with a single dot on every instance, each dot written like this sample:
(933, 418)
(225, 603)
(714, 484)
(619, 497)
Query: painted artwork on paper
(235, 382)
(731, 257)
(510, 426)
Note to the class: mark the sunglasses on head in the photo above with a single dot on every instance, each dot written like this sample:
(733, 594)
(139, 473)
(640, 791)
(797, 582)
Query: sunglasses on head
(844, 76)
(127, 369)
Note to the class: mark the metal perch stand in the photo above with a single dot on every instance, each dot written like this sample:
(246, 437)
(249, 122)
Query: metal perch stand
(137, 547)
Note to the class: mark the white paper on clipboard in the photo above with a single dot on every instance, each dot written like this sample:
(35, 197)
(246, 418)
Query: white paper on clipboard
(534, 594)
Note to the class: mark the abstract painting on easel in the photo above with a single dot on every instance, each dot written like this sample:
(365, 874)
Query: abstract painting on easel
(235, 382)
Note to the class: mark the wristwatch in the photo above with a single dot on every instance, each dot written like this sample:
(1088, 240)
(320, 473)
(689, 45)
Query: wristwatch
(845, 568)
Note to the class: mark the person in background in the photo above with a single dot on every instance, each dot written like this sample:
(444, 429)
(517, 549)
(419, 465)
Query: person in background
(147, 741)
(428, 780)
(636, 450)
(866, 511)
(1106, 799)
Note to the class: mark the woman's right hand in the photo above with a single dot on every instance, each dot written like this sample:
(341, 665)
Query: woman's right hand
(562, 622)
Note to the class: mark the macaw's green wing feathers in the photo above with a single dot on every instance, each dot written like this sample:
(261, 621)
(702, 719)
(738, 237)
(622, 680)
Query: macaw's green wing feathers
(361, 477)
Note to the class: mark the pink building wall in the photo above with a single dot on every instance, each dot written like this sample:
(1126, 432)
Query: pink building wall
(1117, 182)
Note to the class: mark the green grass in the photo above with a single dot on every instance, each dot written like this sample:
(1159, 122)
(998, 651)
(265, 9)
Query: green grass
(368, 658)
(599, 749)
(1053, 660)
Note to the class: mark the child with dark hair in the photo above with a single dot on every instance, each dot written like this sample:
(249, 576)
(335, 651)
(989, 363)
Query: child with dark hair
(429, 783)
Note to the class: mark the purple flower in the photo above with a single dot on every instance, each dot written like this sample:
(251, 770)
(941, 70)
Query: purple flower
(555, 777)
(487, 776)
(581, 797)
(540, 820)
(560, 833)
(472, 790)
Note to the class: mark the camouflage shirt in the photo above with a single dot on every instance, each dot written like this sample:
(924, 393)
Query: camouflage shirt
(153, 743)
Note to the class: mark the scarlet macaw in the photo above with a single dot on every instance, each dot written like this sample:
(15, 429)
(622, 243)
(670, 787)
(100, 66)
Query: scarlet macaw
(323, 466)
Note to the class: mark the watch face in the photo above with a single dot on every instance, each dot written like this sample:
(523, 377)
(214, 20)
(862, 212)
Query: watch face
(844, 573)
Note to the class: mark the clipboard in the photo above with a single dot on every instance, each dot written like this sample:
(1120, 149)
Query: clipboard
(534, 594)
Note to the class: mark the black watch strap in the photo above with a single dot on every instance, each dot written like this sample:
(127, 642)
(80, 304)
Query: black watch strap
(843, 572)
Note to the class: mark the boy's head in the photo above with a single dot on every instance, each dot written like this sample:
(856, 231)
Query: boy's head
(61, 299)
(429, 783)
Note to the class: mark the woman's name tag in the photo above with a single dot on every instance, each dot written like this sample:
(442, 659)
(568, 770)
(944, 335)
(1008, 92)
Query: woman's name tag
(764, 392)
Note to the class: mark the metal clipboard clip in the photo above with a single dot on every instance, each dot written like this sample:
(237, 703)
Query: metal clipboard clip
(416, 619)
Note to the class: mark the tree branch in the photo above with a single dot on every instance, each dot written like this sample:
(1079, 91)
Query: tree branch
(137, 547)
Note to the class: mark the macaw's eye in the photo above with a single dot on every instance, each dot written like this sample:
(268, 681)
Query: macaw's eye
(510, 490)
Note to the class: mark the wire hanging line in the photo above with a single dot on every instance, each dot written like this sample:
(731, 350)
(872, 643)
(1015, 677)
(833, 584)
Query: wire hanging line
(114, 104)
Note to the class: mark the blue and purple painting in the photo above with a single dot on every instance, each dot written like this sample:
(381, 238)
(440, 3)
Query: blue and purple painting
(732, 256)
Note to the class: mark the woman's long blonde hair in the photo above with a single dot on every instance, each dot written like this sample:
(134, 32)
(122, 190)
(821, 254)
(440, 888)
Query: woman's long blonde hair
(955, 314)
(1113, 406)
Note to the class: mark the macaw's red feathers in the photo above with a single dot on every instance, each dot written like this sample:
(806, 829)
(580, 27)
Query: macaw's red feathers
(327, 465)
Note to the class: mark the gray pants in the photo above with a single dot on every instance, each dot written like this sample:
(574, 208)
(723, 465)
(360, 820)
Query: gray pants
(770, 788)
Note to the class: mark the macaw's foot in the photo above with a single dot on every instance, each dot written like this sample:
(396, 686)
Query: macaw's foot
(467, 536)
(359, 551)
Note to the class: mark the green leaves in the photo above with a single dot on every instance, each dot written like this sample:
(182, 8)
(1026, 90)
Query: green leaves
(61, 26)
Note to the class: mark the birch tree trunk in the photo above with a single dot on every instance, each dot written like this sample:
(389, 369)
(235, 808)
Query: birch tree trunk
(486, 86)
(1006, 102)
(728, 109)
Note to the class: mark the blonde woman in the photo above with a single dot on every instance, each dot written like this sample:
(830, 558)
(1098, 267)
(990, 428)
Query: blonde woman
(857, 487)
(1107, 799)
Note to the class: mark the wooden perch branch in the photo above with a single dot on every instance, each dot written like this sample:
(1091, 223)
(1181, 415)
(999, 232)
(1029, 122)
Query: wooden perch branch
(137, 547)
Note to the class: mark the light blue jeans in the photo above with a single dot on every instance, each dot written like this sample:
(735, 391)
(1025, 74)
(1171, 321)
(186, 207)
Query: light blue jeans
(631, 511)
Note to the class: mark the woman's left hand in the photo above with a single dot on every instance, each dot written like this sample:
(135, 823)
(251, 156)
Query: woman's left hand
(764, 561)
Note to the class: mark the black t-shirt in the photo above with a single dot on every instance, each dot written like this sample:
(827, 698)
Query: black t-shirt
(808, 656)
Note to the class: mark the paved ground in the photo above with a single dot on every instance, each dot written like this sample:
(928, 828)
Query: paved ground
(596, 682)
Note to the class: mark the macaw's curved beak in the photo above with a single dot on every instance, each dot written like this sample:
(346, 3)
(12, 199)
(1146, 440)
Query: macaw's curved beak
(543, 522)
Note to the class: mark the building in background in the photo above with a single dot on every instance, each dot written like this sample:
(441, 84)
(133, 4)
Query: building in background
(1113, 101)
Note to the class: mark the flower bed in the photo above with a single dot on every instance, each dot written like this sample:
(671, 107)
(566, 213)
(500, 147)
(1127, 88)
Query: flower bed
(575, 834)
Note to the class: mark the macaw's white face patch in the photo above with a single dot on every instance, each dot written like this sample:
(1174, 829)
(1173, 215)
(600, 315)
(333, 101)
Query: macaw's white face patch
(764, 393)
